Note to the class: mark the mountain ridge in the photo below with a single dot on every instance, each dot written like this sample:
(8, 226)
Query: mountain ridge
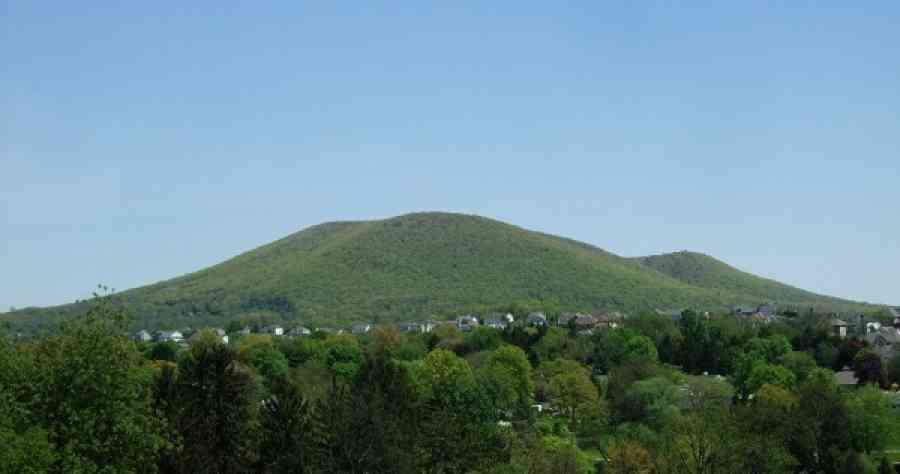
(437, 264)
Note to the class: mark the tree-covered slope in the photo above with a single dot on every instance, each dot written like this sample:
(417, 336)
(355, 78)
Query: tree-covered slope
(703, 271)
(419, 265)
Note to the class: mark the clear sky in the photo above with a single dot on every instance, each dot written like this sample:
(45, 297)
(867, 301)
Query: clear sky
(142, 141)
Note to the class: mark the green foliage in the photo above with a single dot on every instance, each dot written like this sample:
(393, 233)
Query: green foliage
(574, 393)
(506, 376)
(214, 400)
(261, 353)
(768, 374)
(167, 351)
(90, 391)
(872, 419)
(868, 369)
(799, 363)
(618, 346)
(287, 443)
(343, 356)
(24, 448)
(653, 401)
(435, 263)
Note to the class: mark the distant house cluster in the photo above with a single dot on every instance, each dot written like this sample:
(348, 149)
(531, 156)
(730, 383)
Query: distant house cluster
(885, 339)
(586, 324)
(582, 323)
(764, 313)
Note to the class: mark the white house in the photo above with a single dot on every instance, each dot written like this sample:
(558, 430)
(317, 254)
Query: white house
(166, 336)
(299, 331)
(273, 330)
(143, 336)
(361, 328)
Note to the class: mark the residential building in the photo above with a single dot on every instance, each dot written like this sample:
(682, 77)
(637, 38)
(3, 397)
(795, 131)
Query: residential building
(768, 310)
(838, 328)
(218, 332)
(466, 322)
(609, 320)
(299, 331)
(885, 342)
(564, 319)
(496, 323)
(361, 328)
(143, 336)
(167, 336)
(273, 330)
(536, 319)
(410, 326)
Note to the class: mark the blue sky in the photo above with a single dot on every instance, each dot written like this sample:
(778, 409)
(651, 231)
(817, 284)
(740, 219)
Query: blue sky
(139, 142)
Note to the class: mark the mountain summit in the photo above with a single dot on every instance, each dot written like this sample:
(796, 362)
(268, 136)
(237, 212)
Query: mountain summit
(418, 265)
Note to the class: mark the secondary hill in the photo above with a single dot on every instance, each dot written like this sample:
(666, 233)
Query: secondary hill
(700, 270)
(435, 264)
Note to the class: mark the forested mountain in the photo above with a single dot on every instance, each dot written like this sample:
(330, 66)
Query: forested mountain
(437, 264)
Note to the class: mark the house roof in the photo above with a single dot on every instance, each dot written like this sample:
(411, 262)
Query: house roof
(888, 333)
(846, 377)
(837, 322)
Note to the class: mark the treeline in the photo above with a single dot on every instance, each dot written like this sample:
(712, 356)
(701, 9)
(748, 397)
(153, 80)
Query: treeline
(701, 395)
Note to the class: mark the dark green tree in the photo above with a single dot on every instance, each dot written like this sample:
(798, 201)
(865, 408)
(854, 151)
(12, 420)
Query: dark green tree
(91, 390)
(215, 401)
(287, 442)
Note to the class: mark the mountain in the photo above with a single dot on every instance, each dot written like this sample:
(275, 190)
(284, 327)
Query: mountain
(419, 265)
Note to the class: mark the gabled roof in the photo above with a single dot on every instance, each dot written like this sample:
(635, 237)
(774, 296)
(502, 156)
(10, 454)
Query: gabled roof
(837, 322)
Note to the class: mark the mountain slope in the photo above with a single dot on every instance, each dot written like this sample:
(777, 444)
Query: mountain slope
(700, 270)
(417, 265)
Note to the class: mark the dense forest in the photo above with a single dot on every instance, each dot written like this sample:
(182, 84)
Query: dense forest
(700, 394)
(439, 264)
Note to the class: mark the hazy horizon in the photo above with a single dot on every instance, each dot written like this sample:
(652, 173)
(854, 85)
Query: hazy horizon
(142, 142)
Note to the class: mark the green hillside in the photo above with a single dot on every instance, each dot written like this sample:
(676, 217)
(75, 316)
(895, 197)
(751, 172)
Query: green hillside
(700, 270)
(418, 265)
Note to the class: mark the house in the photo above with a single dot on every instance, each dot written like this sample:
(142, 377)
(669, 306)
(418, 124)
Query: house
(361, 328)
(895, 313)
(885, 342)
(838, 328)
(873, 326)
(299, 331)
(143, 336)
(744, 310)
(466, 322)
(410, 326)
(245, 331)
(846, 378)
(496, 323)
(585, 321)
(167, 336)
(536, 319)
(273, 330)
(327, 330)
(609, 320)
(222, 334)
(769, 310)
(219, 333)
(564, 319)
